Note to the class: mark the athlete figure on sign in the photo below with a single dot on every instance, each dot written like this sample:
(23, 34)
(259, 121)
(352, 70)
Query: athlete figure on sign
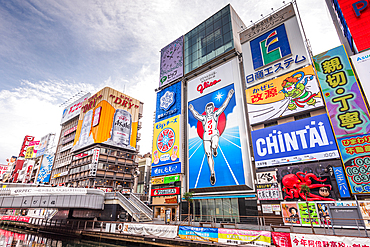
(211, 133)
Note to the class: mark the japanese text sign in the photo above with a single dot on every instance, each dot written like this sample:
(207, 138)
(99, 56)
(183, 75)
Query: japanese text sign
(171, 62)
(168, 102)
(344, 101)
(289, 94)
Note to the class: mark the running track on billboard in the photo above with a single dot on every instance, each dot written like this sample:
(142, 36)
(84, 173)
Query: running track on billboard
(228, 163)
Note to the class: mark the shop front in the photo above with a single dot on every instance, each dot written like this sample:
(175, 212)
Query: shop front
(166, 201)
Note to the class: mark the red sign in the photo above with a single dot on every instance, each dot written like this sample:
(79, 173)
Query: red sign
(69, 131)
(26, 143)
(171, 200)
(166, 191)
(357, 16)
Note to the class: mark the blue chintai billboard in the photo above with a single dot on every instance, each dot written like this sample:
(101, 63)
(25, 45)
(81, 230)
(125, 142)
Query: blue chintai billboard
(308, 139)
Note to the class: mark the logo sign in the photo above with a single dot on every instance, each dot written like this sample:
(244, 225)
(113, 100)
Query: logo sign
(341, 182)
(361, 62)
(166, 142)
(270, 47)
(342, 95)
(278, 49)
(168, 102)
(172, 65)
(73, 109)
(26, 143)
(166, 191)
(289, 94)
(216, 132)
(304, 140)
(266, 177)
(166, 180)
(166, 169)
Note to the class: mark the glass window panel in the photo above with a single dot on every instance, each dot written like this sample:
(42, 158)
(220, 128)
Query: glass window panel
(211, 55)
(220, 50)
(217, 16)
(202, 26)
(209, 30)
(218, 42)
(227, 37)
(225, 11)
(217, 24)
(225, 19)
(187, 68)
(211, 209)
(194, 40)
(186, 52)
(226, 206)
(226, 29)
(201, 35)
(194, 48)
(218, 210)
(187, 60)
(235, 209)
(228, 46)
(209, 21)
(194, 64)
(202, 60)
(210, 47)
(194, 56)
(204, 210)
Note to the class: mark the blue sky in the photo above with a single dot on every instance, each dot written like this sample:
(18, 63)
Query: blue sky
(51, 50)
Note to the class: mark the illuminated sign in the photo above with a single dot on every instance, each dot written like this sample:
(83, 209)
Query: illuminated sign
(165, 191)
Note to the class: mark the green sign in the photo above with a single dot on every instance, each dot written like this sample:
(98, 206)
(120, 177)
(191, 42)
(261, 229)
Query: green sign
(171, 179)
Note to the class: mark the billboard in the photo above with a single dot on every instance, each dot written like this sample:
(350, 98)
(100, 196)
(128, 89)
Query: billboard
(303, 140)
(44, 144)
(270, 52)
(73, 109)
(218, 149)
(344, 102)
(165, 191)
(45, 169)
(166, 169)
(354, 16)
(108, 117)
(361, 62)
(172, 65)
(25, 144)
(165, 180)
(166, 142)
(168, 102)
(286, 95)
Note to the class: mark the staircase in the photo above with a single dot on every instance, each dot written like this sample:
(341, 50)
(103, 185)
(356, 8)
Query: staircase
(148, 212)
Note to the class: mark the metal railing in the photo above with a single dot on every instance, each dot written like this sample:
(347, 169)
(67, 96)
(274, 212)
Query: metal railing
(126, 204)
(142, 206)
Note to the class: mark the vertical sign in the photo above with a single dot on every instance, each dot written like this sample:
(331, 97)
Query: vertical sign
(348, 114)
(94, 162)
(45, 169)
(171, 62)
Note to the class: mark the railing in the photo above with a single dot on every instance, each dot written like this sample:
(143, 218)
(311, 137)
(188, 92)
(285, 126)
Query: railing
(131, 209)
(142, 206)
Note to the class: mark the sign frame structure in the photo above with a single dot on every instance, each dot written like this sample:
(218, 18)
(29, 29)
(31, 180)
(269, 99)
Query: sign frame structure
(172, 62)
(276, 98)
(274, 146)
(285, 49)
(222, 88)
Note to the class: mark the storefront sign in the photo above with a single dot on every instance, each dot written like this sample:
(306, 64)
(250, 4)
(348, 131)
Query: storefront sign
(268, 191)
(150, 230)
(303, 140)
(286, 95)
(234, 236)
(166, 191)
(171, 200)
(166, 169)
(166, 180)
(344, 102)
(266, 177)
(341, 182)
(166, 142)
(69, 131)
(198, 233)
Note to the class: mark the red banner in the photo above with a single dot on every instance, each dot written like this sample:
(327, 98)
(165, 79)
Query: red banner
(281, 239)
(166, 191)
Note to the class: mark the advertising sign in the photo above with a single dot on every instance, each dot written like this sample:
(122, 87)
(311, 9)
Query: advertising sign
(266, 177)
(166, 141)
(361, 62)
(218, 151)
(356, 14)
(150, 230)
(172, 65)
(306, 214)
(290, 213)
(166, 169)
(281, 239)
(26, 191)
(304, 240)
(168, 102)
(26, 141)
(73, 109)
(165, 191)
(198, 233)
(341, 182)
(318, 176)
(166, 180)
(303, 140)
(323, 210)
(118, 120)
(276, 51)
(234, 236)
(268, 191)
(69, 131)
(45, 169)
(289, 94)
(344, 101)
(43, 146)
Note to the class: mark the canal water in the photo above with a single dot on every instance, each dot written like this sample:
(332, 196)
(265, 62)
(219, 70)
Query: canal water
(15, 237)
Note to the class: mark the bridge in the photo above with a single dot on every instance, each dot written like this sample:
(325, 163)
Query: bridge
(21, 197)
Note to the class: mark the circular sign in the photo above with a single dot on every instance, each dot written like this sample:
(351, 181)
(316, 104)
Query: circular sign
(166, 140)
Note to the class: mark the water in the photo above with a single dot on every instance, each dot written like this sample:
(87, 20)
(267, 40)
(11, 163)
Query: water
(15, 237)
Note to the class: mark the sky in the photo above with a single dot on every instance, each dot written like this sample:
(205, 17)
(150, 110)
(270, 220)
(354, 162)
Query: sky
(52, 50)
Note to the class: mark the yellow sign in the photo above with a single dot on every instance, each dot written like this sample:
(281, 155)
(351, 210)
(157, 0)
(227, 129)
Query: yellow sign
(110, 117)
(166, 141)
(29, 153)
(157, 180)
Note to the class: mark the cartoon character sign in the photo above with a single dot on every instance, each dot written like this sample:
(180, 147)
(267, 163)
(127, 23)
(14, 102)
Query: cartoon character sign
(214, 140)
(286, 95)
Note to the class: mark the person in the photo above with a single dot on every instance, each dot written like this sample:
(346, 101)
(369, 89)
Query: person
(294, 217)
(211, 134)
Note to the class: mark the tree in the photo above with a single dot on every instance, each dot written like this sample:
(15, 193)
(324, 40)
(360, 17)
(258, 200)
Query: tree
(306, 191)
(188, 196)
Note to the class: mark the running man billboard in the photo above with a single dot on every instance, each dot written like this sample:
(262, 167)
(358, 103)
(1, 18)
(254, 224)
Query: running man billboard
(218, 146)
(286, 95)
(110, 117)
